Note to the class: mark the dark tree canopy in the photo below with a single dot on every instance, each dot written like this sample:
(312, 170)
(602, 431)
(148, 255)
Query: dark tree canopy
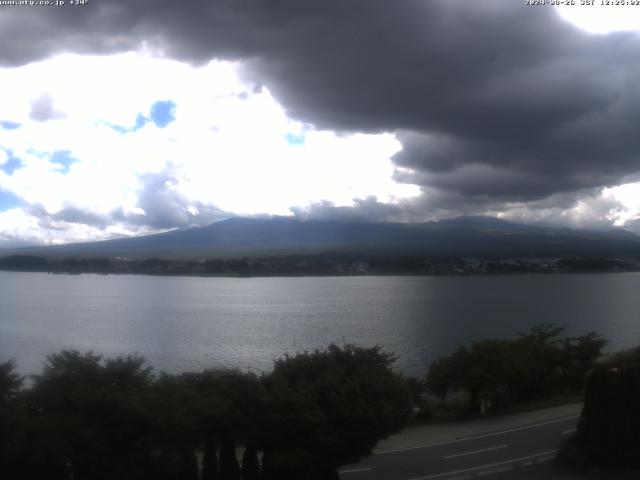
(536, 364)
(95, 418)
(10, 381)
(331, 407)
(90, 415)
(10, 410)
(608, 433)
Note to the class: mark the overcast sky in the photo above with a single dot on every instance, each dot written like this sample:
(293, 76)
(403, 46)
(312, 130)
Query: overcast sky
(128, 117)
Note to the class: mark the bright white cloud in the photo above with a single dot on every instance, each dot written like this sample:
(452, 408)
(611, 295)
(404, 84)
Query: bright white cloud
(602, 16)
(628, 195)
(231, 144)
(617, 206)
(18, 225)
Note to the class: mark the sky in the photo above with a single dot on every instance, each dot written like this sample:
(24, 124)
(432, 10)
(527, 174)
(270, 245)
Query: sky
(122, 118)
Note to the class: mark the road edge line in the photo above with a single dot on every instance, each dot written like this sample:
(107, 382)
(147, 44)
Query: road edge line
(489, 465)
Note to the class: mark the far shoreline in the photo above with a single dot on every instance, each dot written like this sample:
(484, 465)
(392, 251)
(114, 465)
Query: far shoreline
(331, 275)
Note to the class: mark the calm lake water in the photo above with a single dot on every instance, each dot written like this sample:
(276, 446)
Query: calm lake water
(190, 323)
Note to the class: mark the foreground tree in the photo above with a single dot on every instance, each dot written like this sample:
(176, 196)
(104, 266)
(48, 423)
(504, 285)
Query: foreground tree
(484, 371)
(90, 418)
(538, 360)
(173, 433)
(608, 433)
(580, 357)
(87, 417)
(250, 464)
(229, 410)
(497, 373)
(10, 416)
(329, 408)
(10, 381)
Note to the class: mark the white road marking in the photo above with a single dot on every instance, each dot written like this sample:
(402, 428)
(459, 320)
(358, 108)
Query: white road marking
(545, 459)
(493, 471)
(517, 429)
(466, 439)
(490, 465)
(355, 470)
(571, 430)
(476, 451)
(417, 447)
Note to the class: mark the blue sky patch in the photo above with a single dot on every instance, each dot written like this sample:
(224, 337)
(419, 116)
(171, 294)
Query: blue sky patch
(162, 113)
(63, 158)
(141, 121)
(9, 125)
(12, 164)
(8, 200)
(119, 128)
(294, 139)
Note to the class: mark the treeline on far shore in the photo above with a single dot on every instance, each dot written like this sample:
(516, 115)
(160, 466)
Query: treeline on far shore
(89, 417)
(334, 263)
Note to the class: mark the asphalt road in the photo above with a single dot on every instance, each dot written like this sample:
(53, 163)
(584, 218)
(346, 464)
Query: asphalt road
(511, 453)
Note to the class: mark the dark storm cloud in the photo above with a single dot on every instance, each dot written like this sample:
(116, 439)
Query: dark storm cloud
(433, 204)
(633, 226)
(67, 215)
(165, 207)
(77, 215)
(368, 209)
(587, 209)
(42, 109)
(162, 206)
(8, 240)
(494, 102)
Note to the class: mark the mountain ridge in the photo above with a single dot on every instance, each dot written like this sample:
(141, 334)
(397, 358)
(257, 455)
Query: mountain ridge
(460, 236)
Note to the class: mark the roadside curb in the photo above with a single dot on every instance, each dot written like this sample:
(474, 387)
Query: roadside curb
(443, 433)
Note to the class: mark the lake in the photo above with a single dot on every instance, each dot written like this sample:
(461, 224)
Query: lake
(191, 323)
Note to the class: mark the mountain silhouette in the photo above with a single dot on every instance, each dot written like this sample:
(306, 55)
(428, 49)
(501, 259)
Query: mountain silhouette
(460, 237)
